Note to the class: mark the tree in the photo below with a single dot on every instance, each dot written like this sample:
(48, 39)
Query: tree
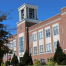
(14, 59)
(30, 60)
(27, 60)
(59, 56)
(4, 34)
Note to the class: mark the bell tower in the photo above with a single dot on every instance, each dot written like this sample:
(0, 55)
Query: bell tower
(28, 17)
(29, 13)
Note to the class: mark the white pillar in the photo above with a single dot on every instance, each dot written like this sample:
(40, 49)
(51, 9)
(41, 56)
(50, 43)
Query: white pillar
(25, 13)
(19, 15)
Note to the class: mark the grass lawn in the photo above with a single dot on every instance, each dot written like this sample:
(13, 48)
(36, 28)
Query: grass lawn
(47, 65)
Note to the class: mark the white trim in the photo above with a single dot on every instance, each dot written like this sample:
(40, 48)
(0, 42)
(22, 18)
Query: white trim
(48, 27)
(45, 24)
(28, 5)
(28, 20)
(56, 24)
(63, 13)
(42, 39)
(63, 7)
(64, 49)
(43, 53)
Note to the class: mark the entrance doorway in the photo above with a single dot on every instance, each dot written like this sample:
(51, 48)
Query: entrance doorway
(21, 59)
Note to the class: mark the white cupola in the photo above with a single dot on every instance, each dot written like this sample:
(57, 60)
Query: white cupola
(28, 12)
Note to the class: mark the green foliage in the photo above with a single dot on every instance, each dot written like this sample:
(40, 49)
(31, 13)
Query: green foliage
(37, 62)
(19, 64)
(27, 60)
(51, 61)
(43, 63)
(59, 56)
(63, 62)
(30, 60)
(14, 59)
(56, 63)
(2, 63)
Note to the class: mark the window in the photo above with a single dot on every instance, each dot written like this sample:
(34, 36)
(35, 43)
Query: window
(22, 14)
(30, 38)
(47, 33)
(10, 45)
(21, 44)
(40, 35)
(48, 46)
(5, 56)
(55, 30)
(31, 51)
(35, 50)
(15, 52)
(41, 48)
(34, 60)
(11, 55)
(31, 13)
(55, 45)
(47, 60)
(35, 37)
(14, 43)
(41, 60)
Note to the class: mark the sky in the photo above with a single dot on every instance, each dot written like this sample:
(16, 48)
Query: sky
(46, 9)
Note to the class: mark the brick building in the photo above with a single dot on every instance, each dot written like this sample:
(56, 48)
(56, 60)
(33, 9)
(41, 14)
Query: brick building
(38, 37)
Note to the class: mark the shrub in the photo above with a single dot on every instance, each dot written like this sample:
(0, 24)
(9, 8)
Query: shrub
(7, 62)
(51, 61)
(56, 63)
(63, 62)
(19, 64)
(2, 63)
(43, 63)
(37, 62)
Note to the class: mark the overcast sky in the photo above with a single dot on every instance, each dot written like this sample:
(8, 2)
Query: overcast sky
(46, 9)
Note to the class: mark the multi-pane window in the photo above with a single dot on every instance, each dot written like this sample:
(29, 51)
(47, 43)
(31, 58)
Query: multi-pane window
(55, 45)
(47, 33)
(48, 47)
(41, 48)
(22, 14)
(40, 35)
(41, 60)
(31, 13)
(15, 52)
(34, 60)
(14, 43)
(55, 30)
(30, 38)
(31, 51)
(21, 44)
(5, 56)
(35, 50)
(11, 55)
(34, 37)
(10, 45)
(47, 60)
